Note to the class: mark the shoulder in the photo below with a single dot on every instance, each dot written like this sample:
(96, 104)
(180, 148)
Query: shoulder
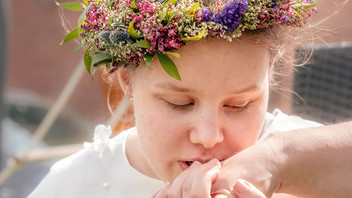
(88, 170)
(277, 121)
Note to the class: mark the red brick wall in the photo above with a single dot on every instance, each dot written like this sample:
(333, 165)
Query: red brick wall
(38, 64)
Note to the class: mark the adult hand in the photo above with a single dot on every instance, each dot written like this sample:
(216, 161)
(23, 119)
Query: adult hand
(242, 189)
(259, 165)
(194, 182)
(197, 181)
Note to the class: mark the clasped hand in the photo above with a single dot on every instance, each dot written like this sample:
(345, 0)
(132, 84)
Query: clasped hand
(206, 181)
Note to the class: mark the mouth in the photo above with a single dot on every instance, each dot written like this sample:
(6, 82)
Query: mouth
(186, 164)
(189, 163)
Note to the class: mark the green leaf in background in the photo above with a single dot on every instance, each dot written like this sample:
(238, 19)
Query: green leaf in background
(169, 1)
(81, 18)
(170, 15)
(78, 47)
(74, 6)
(168, 65)
(195, 7)
(70, 36)
(87, 61)
(298, 15)
(133, 4)
(142, 44)
(100, 59)
(195, 38)
(148, 60)
(122, 62)
(132, 31)
(162, 14)
(107, 65)
(175, 54)
(94, 69)
(305, 6)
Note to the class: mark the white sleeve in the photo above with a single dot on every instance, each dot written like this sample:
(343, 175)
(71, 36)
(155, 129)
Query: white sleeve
(62, 177)
(280, 122)
(80, 174)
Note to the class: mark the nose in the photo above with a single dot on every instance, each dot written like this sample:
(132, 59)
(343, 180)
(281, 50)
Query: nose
(207, 130)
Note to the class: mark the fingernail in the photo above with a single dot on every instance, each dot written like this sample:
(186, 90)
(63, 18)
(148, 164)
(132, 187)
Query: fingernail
(241, 186)
(221, 193)
(221, 196)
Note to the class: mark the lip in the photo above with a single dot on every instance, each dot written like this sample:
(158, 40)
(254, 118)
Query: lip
(184, 164)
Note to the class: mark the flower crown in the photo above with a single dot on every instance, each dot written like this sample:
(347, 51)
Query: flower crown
(120, 32)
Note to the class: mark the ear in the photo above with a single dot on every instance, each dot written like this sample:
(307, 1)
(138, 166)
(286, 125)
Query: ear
(124, 77)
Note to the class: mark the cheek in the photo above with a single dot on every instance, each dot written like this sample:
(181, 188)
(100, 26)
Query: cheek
(244, 130)
(159, 135)
(157, 128)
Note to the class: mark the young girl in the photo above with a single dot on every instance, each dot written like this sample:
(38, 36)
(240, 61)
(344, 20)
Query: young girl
(209, 105)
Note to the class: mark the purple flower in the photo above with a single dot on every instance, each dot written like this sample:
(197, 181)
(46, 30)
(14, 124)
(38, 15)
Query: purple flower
(284, 18)
(230, 15)
(275, 6)
(208, 15)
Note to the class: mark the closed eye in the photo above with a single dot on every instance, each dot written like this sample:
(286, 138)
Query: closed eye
(179, 107)
(237, 108)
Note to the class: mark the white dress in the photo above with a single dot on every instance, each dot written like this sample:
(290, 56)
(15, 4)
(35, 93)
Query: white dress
(101, 169)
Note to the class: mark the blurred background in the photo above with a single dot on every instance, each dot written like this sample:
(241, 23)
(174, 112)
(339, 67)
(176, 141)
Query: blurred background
(34, 69)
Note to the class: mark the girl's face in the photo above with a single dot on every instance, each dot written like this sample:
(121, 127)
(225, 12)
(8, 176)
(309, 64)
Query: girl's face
(216, 111)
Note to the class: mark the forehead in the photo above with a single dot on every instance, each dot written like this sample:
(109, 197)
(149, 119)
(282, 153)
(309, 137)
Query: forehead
(213, 63)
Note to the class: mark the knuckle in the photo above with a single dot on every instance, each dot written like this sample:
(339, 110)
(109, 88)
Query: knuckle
(186, 189)
(171, 194)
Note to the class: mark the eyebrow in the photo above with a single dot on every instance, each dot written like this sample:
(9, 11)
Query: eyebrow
(173, 87)
(252, 88)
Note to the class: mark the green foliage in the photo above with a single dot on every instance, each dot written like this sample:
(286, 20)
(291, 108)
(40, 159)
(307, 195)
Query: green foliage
(132, 31)
(148, 60)
(100, 59)
(195, 7)
(70, 36)
(81, 17)
(170, 15)
(162, 14)
(74, 6)
(78, 47)
(133, 5)
(168, 65)
(87, 61)
(175, 54)
(195, 38)
(142, 44)
(173, 2)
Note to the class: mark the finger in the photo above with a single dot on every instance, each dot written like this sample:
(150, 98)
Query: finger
(163, 192)
(222, 194)
(199, 181)
(244, 189)
(175, 189)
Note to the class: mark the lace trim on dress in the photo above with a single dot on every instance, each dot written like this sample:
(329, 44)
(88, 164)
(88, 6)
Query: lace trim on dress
(101, 138)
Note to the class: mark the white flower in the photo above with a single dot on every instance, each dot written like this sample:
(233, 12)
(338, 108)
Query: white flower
(102, 133)
(101, 138)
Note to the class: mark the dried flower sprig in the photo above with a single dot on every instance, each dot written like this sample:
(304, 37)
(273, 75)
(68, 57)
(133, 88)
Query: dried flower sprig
(118, 33)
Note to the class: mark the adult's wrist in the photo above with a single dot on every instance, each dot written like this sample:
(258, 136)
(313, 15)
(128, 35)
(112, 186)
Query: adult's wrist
(275, 159)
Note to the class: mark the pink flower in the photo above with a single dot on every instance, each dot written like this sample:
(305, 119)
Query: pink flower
(95, 17)
(145, 30)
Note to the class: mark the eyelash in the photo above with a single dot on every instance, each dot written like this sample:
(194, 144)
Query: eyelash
(179, 107)
(238, 108)
(186, 106)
